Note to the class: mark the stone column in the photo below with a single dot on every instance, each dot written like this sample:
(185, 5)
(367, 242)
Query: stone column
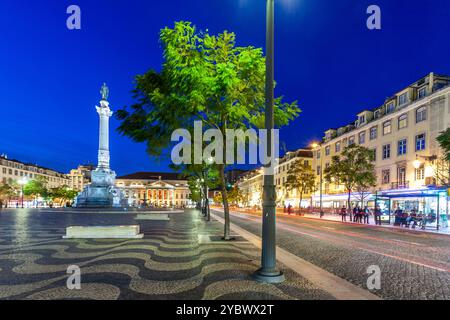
(103, 146)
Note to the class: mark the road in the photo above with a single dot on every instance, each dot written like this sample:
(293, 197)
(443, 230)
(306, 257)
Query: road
(413, 265)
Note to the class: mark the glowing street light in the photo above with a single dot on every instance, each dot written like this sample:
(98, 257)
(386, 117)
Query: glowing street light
(22, 182)
(417, 163)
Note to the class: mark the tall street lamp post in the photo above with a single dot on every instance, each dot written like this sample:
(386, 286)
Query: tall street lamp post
(268, 272)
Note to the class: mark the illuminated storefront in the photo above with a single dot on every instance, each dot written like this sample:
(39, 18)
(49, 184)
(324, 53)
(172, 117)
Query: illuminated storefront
(420, 208)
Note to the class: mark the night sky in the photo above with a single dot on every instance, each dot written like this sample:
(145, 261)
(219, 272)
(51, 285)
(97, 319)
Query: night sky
(326, 59)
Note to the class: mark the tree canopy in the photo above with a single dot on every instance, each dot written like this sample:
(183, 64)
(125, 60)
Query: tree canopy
(444, 142)
(353, 168)
(204, 77)
(302, 178)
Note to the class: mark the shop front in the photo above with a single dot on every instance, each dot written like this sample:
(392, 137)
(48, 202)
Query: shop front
(422, 208)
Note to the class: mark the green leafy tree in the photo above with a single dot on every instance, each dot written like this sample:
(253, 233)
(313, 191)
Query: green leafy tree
(442, 170)
(302, 178)
(235, 196)
(444, 142)
(63, 194)
(218, 198)
(207, 78)
(36, 187)
(6, 192)
(354, 169)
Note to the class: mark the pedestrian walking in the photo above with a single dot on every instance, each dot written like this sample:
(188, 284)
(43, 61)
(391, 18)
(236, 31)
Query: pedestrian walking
(344, 214)
(289, 209)
(377, 215)
(355, 214)
(366, 214)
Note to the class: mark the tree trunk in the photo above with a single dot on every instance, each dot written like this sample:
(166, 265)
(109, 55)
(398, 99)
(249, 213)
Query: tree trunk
(226, 209)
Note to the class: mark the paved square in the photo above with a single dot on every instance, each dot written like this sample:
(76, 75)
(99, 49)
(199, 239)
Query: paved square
(169, 263)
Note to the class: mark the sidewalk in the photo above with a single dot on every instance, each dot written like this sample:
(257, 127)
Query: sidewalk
(337, 218)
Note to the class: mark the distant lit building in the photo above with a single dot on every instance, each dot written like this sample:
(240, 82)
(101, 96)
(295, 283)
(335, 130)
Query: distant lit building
(14, 170)
(251, 184)
(159, 189)
(80, 177)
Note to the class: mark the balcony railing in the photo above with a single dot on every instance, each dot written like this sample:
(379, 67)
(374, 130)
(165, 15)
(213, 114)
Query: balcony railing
(400, 185)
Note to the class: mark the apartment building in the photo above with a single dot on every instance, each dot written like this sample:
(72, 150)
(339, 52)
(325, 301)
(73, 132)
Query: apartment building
(14, 170)
(80, 177)
(251, 184)
(402, 134)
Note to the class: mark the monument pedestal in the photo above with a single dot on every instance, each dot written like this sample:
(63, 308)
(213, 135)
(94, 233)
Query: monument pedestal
(101, 193)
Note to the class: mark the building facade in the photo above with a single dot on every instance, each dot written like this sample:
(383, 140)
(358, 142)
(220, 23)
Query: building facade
(14, 171)
(402, 134)
(155, 189)
(80, 177)
(251, 184)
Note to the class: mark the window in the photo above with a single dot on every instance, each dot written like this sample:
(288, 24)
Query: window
(401, 147)
(373, 133)
(362, 120)
(420, 142)
(351, 140)
(390, 107)
(386, 151)
(421, 114)
(402, 121)
(327, 150)
(386, 176)
(337, 147)
(422, 92)
(318, 170)
(318, 155)
(376, 115)
(420, 173)
(374, 154)
(403, 99)
(387, 128)
(362, 137)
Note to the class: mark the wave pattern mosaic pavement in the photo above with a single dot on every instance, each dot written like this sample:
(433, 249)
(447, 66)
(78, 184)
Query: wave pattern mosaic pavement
(169, 263)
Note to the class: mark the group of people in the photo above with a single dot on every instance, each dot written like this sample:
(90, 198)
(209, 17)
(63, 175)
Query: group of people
(413, 219)
(361, 215)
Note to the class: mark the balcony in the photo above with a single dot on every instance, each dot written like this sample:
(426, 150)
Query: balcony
(400, 185)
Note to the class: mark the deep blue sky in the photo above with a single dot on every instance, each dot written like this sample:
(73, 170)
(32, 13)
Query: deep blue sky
(326, 59)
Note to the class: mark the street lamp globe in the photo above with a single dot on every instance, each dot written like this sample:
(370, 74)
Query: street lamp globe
(417, 164)
(23, 181)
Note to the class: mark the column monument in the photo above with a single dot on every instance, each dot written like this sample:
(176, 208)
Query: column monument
(102, 192)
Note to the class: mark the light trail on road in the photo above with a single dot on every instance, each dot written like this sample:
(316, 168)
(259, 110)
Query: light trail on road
(375, 244)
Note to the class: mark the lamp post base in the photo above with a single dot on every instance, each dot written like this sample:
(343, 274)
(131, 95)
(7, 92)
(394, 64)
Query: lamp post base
(269, 277)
